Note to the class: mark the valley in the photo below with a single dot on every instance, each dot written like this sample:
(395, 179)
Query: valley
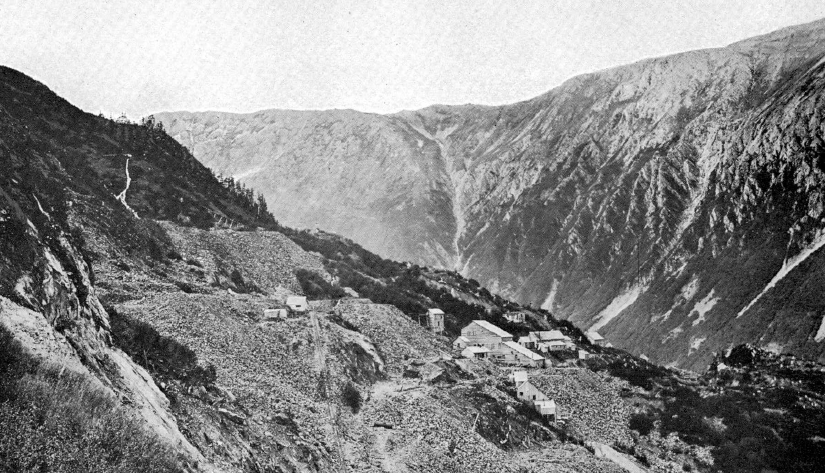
(604, 200)
(424, 291)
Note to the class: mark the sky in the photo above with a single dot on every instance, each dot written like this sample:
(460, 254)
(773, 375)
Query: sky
(142, 57)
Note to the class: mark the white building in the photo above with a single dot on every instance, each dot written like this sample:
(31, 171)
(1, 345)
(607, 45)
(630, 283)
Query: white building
(526, 391)
(595, 338)
(518, 377)
(297, 304)
(515, 317)
(546, 408)
(475, 352)
(274, 314)
(485, 334)
(435, 320)
(461, 343)
(511, 353)
(547, 340)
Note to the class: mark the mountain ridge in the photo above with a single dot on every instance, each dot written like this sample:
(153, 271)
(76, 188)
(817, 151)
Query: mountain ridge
(583, 193)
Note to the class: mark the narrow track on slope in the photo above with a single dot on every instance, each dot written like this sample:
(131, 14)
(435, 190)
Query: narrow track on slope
(319, 347)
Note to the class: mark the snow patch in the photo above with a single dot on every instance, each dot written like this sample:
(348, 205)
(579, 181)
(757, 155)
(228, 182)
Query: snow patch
(673, 334)
(617, 306)
(548, 303)
(695, 343)
(786, 268)
(820, 334)
(774, 347)
(248, 173)
(704, 306)
(689, 290)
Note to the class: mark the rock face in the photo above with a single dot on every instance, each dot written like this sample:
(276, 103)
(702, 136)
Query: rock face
(674, 204)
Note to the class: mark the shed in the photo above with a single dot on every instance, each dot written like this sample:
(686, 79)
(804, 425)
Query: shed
(518, 377)
(583, 355)
(435, 320)
(297, 304)
(483, 333)
(546, 409)
(526, 391)
(595, 338)
(461, 342)
(475, 352)
(274, 314)
(514, 354)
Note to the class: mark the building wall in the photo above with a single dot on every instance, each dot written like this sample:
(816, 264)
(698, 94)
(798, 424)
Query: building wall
(482, 337)
(527, 392)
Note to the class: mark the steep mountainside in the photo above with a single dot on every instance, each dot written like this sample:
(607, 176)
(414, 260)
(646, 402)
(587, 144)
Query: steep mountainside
(675, 204)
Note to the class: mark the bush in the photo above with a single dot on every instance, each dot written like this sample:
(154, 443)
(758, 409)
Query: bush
(56, 420)
(160, 355)
(316, 287)
(642, 423)
(241, 285)
(194, 262)
(351, 397)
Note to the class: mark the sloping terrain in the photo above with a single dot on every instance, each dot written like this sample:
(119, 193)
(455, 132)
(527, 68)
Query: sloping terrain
(630, 200)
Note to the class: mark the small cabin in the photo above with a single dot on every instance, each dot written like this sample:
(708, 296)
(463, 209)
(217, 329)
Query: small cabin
(526, 391)
(515, 317)
(461, 343)
(475, 352)
(511, 353)
(275, 314)
(547, 340)
(483, 333)
(297, 304)
(518, 377)
(546, 409)
(594, 338)
(583, 355)
(435, 320)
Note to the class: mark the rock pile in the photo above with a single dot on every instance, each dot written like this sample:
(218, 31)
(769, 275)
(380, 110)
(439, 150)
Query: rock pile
(592, 403)
(388, 327)
(268, 259)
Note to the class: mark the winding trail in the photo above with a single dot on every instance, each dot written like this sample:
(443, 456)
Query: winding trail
(122, 196)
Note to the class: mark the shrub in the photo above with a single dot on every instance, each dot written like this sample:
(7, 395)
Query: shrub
(56, 420)
(316, 287)
(159, 354)
(642, 423)
(185, 287)
(241, 285)
(194, 262)
(351, 397)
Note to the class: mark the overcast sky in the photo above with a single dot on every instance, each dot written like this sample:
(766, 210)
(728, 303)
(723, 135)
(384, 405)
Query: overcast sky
(141, 56)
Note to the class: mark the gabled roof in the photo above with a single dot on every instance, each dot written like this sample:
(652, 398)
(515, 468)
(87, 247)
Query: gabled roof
(524, 351)
(296, 300)
(435, 311)
(462, 338)
(594, 336)
(492, 328)
(547, 335)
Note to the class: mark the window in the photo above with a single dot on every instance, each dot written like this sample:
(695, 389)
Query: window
(534, 397)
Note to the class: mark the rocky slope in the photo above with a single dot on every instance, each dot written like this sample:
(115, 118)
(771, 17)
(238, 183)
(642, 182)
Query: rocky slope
(674, 204)
(151, 331)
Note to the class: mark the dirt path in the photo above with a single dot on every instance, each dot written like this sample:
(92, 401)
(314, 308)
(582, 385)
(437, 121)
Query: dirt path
(320, 365)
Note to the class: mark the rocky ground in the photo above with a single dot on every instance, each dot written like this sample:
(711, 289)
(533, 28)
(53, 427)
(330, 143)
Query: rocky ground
(276, 402)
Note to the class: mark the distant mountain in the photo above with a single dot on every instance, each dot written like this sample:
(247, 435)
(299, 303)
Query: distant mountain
(675, 204)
